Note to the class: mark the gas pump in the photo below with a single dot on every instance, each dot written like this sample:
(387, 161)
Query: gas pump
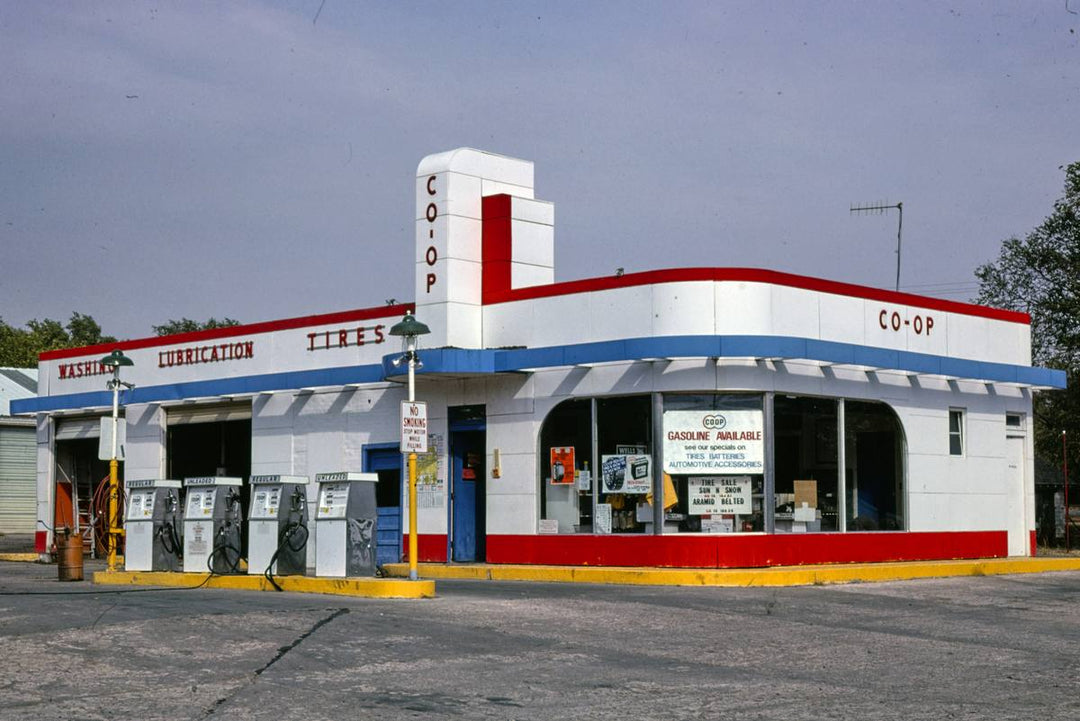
(212, 522)
(278, 525)
(153, 525)
(345, 524)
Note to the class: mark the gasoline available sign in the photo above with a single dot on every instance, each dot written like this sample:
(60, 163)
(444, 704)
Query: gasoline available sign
(714, 442)
(414, 427)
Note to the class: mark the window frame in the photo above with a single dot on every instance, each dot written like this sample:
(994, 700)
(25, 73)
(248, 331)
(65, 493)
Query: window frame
(959, 434)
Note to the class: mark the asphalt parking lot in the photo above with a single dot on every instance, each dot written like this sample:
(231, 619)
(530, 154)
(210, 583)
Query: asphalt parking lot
(1003, 647)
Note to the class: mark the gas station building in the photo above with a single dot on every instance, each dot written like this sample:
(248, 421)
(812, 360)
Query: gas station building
(693, 417)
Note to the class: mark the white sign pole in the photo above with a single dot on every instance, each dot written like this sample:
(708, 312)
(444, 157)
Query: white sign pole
(414, 574)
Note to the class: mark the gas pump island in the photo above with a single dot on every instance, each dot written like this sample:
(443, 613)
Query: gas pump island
(212, 524)
(153, 525)
(345, 524)
(278, 525)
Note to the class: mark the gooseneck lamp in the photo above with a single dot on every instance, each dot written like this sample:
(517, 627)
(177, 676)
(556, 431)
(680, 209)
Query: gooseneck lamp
(114, 361)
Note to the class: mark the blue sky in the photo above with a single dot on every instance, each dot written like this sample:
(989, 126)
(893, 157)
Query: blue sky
(163, 160)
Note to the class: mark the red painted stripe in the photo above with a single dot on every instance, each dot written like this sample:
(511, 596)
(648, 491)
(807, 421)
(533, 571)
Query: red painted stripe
(752, 275)
(430, 547)
(495, 245)
(1034, 545)
(40, 537)
(496, 212)
(745, 551)
(348, 316)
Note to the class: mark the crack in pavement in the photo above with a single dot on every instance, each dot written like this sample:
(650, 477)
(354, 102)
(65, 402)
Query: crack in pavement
(277, 657)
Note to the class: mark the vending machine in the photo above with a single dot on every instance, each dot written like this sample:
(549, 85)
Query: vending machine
(278, 525)
(213, 517)
(153, 525)
(345, 524)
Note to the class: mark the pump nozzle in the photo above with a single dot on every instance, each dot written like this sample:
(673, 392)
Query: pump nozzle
(299, 500)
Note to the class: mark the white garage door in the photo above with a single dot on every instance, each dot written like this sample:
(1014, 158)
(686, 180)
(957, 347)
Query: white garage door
(18, 485)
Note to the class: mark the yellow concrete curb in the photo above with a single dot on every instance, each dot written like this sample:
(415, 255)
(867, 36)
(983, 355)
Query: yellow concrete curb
(19, 557)
(734, 577)
(364, 587)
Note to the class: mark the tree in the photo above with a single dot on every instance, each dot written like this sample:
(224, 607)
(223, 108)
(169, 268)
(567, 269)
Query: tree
(84, 330)
(15, 347)
(186, 325)
(1039, 274)
(19, 347)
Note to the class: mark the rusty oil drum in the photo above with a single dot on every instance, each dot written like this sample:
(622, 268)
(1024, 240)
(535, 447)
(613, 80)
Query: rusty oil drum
(69, 556)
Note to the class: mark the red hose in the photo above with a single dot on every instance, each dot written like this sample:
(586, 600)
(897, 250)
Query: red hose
(100, 507)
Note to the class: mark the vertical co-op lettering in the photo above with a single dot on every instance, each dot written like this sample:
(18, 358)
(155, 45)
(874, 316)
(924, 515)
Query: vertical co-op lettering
(431, 255)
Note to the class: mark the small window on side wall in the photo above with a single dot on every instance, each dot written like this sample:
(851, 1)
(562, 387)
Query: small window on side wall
(956, 432)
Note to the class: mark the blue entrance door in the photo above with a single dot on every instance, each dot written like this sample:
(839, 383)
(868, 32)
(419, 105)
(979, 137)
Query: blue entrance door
(385, 460)
(467, 463)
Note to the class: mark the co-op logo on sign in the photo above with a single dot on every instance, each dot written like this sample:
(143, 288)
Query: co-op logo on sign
(713, 422)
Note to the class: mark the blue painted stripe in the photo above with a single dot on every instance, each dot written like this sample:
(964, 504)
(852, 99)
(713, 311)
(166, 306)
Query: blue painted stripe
(445, 360)
(488, 361)
(767, 347)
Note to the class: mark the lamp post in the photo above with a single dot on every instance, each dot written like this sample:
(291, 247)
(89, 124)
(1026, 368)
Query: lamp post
(113, 361)
(410, 329)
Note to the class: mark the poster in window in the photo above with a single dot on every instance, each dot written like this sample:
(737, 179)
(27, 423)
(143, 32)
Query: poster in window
(431, 474)
(584, 479)
(717, 495)
(718, 524)
(549, 525)
(626, 474)
(430, 468)
(603, 518)
(562, 465)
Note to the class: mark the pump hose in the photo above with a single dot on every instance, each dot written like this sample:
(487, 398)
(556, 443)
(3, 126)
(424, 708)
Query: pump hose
(178, 545)
(220, 548)
(170, 539)
(284, 542)
(233, 567)
(300, 546)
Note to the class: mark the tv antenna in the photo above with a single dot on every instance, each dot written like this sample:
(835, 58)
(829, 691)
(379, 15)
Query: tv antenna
(878, 209)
